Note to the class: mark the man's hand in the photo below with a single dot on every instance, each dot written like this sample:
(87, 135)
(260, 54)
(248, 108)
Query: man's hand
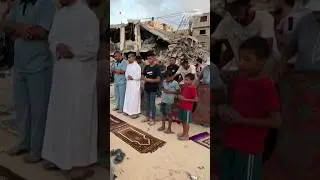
(130, 77)
(64, 51)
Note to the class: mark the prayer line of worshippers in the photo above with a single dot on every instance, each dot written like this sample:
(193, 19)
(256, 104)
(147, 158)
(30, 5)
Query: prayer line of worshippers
(58, 123)
(137, 83)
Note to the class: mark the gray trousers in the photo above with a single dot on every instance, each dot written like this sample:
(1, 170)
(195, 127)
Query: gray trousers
(31, 95)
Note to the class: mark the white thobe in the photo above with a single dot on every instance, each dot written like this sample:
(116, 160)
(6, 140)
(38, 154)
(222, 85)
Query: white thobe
(132, 99)
(71, 130)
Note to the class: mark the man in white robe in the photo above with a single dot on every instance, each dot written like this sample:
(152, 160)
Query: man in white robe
(71, 131)
(132, 100)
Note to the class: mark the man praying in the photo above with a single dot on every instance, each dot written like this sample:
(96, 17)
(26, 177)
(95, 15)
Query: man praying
(132, 98)
(70, 141)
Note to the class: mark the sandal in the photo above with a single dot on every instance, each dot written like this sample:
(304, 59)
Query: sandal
(119, 158)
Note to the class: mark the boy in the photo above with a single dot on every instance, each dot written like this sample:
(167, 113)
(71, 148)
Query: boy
(170, 89)
(252, 109)
(187, 98)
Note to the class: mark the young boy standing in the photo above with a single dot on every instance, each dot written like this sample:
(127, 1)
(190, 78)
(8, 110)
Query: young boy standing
(187, 98)
(253, 108)
(170, 89)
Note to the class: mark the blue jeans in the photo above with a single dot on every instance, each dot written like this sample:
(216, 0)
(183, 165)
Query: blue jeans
(32, 92)
(120, 91)
(150, 100)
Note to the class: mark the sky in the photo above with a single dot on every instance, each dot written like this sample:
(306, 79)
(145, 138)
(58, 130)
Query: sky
(141, 9)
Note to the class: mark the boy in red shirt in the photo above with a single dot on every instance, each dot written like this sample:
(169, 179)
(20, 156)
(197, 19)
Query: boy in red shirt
(253, 108)
(187, 98)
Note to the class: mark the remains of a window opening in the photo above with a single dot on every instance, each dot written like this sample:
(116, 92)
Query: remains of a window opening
(129, 31)
(203, 18)
(202, 32)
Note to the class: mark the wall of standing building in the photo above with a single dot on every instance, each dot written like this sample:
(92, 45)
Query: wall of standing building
(200, 28)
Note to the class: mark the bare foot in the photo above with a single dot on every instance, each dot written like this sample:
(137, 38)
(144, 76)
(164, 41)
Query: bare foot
(184, 138)
(162, 128)
(168, 131)
(179, 135)
(152, 123)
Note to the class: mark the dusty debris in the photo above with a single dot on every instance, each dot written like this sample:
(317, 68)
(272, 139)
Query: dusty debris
(200, 167)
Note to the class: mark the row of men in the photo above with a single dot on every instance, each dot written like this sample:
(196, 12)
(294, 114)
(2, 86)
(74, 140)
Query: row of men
(55, 72)
(119, 69)
(128, 89)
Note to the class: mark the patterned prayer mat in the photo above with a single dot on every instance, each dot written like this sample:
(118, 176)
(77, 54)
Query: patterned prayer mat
(136, 138)
(7, 174)
(202, 139)
(116, 123)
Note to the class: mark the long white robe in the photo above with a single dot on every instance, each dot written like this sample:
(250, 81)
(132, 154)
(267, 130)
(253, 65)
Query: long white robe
(71, 130)
(132, 99)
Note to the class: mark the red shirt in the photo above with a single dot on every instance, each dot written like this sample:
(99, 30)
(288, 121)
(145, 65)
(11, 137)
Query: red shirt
(189, 92)
(252, 99)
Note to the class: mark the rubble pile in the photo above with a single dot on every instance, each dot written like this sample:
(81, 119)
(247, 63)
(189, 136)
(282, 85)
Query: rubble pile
(185, 48)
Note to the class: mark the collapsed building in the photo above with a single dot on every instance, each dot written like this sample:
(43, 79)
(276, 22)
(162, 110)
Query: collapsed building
(140, 37)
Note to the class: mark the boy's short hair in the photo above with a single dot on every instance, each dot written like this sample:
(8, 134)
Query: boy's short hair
(257, 44)
(190, 76)
(168, 74)
(150, 54)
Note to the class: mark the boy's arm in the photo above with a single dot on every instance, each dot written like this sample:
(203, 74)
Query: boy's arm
(194, 94)
(274, 121)
(270, 104)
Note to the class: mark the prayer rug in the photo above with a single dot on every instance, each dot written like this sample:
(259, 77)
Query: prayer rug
(136, 138)
(116, 123)
(202, 139)
(7, 174)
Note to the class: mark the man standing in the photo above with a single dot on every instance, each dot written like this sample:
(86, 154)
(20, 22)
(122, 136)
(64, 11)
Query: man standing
(173, 67)
(119, 69)
(73, 103)
(132, 97)
(240, 23)
(185, 69)
(32, 72)
(151, 75)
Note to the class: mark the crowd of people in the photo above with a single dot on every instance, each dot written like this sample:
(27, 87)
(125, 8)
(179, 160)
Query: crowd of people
(55, 77)
(252, 106)
(136, 80)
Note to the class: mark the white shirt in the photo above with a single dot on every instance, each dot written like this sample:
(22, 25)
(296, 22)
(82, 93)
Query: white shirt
(262, 25)
(184, 72)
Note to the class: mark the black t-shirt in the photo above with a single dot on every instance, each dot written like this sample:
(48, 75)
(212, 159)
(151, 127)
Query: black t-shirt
(151, 72)
(173, 68)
